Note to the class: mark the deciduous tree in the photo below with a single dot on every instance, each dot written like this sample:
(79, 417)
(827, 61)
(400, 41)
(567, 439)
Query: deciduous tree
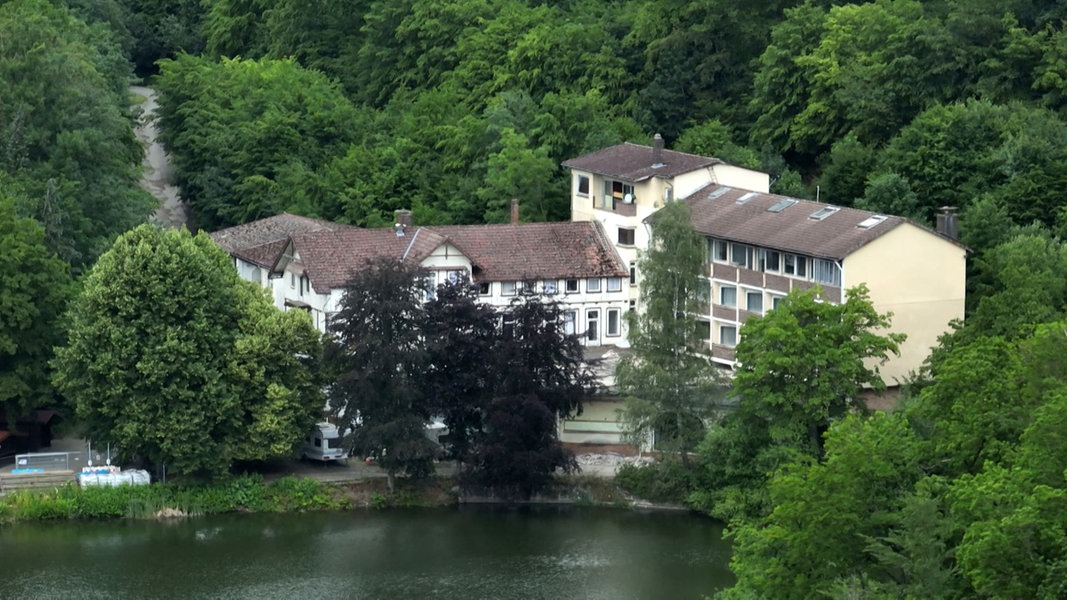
(36, 285)
(174, 359)
(460, 334)
(539, 378)
(379, 359)
(808, 361)
(246, 137)
(668, 379)
(66, 128)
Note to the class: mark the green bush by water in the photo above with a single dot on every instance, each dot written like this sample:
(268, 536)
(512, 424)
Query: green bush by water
(666, 481)
(247, 493)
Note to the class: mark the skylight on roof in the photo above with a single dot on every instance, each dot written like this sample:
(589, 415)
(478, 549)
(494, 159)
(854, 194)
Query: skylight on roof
(822, 213)
(871, 221)
(781, 205)
(746, 197)
(717, 192)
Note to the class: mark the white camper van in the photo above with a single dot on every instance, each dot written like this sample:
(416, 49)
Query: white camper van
(323, 443)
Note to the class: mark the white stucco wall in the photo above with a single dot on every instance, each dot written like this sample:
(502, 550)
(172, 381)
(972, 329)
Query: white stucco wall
(742, 178)
(918, 276)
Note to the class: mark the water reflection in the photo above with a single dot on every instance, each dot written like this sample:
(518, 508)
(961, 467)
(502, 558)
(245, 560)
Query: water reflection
(465, 553)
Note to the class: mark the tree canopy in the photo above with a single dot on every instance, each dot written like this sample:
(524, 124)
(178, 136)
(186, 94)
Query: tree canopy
(808, 361)
(249, 138)
(802, 366)
(958, 494)
(36, 285)
(174, 359)
(378, 357)
(669, 380)
(66, 129)
(499, 379)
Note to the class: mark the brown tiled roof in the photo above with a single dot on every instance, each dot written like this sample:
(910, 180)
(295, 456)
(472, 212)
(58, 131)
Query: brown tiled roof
(330, 253)
(716, 213)
(535, 251)
(330, 258)
(260, 242)
(633, 162)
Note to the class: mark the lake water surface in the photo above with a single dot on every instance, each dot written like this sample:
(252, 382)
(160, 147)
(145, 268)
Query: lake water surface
(439, 553)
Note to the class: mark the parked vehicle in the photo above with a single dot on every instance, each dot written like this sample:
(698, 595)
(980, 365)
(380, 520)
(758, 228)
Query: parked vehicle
(323, 443)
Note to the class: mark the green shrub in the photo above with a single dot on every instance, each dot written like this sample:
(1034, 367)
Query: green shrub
(98, 502)
(40, 506)
(248, 493)
(291, 493)
(666, 481)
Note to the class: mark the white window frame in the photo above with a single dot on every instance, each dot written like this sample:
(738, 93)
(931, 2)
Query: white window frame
(570, 322)
(614, 284)
(746, 259)
(722, 336)
(749, 296)
(485, 288)
(799, 268)
(826, 272)
(718, 251)
(723, 289)
(592, 285)
(509, 288)
(550, 286)
(571, 286)
(613, 316)
(578, 188)
(592, 324)
(763, 259)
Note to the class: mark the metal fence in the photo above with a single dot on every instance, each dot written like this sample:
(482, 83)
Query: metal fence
(49, 461)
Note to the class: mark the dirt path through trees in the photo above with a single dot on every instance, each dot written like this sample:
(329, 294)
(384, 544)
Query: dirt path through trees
(157, 167)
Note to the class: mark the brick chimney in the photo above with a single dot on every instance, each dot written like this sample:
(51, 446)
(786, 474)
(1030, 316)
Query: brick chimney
(403, 221)
(657, 151)
(948, 223)
(514, 211)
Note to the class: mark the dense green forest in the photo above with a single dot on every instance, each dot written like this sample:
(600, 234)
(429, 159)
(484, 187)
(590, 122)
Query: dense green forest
(348, 110)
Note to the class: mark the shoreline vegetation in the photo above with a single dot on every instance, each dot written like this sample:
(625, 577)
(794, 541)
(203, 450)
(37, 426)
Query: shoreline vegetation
(291, 494)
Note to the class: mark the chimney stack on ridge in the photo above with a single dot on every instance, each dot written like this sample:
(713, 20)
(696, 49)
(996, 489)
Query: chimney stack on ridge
(657, 150)
(948, 223)
(403, 221)
(514, 211)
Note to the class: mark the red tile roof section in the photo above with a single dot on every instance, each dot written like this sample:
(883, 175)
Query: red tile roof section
(330, 258)
(330, 255)
(258, 242)
(716, 213)
(537, 251)
(633, 162)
